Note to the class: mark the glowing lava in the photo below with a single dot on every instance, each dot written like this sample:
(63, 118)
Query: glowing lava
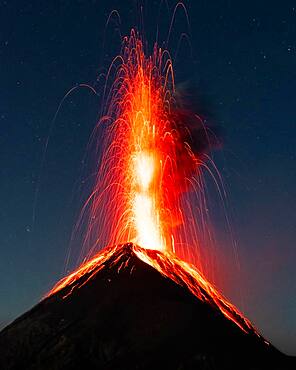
(144, 110)
(147, 223)
(144, 158)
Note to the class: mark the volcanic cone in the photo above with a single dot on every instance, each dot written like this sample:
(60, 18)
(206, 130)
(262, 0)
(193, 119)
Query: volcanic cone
(132, 308)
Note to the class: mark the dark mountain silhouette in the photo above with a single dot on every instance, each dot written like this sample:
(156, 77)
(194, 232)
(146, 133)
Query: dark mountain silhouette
(122, 313)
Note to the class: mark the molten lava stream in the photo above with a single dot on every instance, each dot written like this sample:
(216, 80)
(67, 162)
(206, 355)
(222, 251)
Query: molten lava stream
(146, 215)
(140, 150)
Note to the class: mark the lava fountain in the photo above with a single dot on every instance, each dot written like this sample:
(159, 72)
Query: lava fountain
(146, 162)
(146, 157)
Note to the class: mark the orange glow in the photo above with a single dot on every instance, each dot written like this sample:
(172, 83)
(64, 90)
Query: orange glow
(146, 215)
(144, 168)
(145, 165)
(145, 196)
(133, 189)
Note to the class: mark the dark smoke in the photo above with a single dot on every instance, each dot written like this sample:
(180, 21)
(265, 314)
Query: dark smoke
(194, 120)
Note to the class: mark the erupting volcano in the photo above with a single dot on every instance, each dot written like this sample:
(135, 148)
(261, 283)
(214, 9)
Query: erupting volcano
(136, 304)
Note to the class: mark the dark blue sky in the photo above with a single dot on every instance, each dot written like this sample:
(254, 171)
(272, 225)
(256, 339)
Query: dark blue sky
(244, 57)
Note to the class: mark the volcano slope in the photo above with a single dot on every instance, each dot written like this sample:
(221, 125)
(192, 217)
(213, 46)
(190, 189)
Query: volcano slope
(135, 309)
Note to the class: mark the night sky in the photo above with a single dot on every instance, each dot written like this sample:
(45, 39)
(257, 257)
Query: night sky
(243, 61)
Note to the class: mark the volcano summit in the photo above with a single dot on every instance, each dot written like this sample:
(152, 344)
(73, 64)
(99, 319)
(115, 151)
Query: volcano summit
(132, 308)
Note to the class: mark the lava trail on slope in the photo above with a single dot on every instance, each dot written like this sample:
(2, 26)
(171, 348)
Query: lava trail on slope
(133, 308)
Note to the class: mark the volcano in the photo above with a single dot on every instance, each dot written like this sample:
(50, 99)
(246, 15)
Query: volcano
(133, 308)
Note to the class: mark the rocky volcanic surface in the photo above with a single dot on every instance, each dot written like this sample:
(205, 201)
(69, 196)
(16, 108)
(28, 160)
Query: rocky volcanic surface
(129, 316)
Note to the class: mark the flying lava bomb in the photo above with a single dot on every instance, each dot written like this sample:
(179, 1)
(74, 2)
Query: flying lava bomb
(136, 304)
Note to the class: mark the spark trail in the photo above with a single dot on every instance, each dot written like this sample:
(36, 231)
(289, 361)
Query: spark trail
(146, 158)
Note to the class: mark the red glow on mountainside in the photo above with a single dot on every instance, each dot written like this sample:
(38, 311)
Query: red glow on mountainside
(168, 265)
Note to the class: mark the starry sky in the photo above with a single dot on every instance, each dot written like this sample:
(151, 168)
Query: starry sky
(242, 59)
